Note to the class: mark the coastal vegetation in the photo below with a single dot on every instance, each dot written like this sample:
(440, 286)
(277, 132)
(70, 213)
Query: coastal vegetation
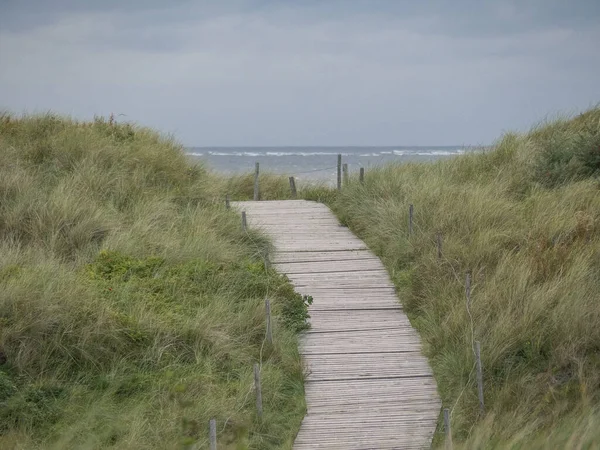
(131, 301)
(523, 218)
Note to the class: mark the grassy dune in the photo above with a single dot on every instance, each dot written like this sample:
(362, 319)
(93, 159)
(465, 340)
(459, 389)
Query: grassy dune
(131, 303)
(524, 219)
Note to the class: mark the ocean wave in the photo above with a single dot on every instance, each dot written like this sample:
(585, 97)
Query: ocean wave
(407, 152)
(211, 153)
(441, 153)
(428, 153)
(235, 154)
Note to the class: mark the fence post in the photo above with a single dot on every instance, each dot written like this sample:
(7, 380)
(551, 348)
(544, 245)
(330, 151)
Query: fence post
(256, 193)
(447, 429)
(227, 205)
(293, 187)
(345, 171)
(213, 434)
(339, 172)
(410, 218)
(269, 329)
(479, 377)
(361, 176)
(244, 224)
(468, 287)
(258, 390)
(439, 245)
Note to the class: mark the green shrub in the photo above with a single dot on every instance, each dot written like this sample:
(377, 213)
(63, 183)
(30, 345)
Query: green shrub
(568, 152)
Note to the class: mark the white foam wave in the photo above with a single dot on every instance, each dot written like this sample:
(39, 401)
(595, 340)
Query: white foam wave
(235, 154)
(440, 153)
(407, 152)
(275, 154)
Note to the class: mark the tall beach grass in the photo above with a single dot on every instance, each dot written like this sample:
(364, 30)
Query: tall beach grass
(131, 302)
(524, 219)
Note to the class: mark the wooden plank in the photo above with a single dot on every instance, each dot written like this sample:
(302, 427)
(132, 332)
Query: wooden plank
(323, 394)
(366, 366)
(338, 277)
(373, 305)
(363, 341)
(357, 320)
(318, 247)
(367, 383)
(344, 255)
(328, 266)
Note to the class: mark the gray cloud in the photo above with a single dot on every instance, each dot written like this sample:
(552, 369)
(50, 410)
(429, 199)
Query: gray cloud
(274, 72)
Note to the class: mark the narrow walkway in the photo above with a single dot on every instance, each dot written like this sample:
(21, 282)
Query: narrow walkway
(368, 386)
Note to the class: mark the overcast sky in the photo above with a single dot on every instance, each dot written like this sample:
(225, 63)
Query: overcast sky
(304, 72)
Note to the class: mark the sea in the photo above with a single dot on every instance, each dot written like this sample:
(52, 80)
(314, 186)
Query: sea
(313, 163)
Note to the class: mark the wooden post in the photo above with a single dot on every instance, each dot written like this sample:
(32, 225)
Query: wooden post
(269, 329)
(439, 245)
(361, 176)
(258, 390)
(447, 429)
(293, 187)
(339, 172)
(345, 171)
(468, 287)
(227, 205)
(244, 224)
(479, 377)
(256, 193)
(410, 218)
(213, 434)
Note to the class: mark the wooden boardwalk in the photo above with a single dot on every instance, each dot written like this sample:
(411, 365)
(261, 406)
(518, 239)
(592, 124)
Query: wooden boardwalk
(367, 385)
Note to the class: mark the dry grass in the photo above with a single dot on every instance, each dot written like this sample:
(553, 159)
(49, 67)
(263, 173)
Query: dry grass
(533, 247)
(131, 303)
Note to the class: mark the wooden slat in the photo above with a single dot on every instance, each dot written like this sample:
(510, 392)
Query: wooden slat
(363, 341)
(357, 320)
(366, 366)
(344, 255)
(354, 392)
(349, 266)
(367, 384)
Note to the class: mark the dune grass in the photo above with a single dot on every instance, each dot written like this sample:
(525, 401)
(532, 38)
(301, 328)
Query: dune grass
(131, 302)
(524, 220)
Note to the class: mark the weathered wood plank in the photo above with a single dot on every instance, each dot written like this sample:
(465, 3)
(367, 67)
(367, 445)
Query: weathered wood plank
(308, 246)
(344, 255)
(367, 385)
(363, 341)
(328, 266)
(357, 320)
(366, 366)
